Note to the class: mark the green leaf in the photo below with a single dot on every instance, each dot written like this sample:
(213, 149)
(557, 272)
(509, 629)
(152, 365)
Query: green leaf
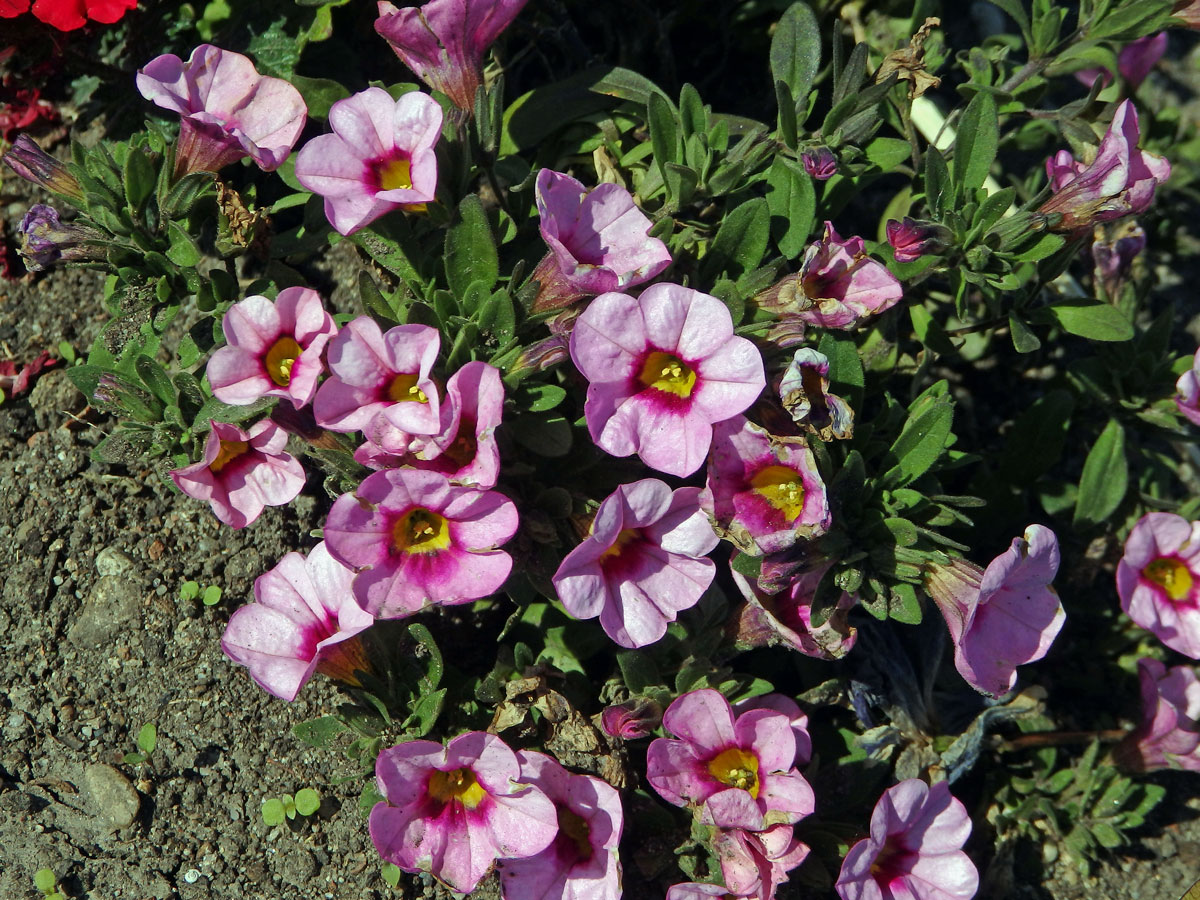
(537, 114)
(741, 240)
(147, 738)
(543, 397)
(796, 50)
(471, 249)
(139, 176)
(747, 565)
(183, 250)
(923, 438)
(319, 94)
(318, 732)
(155, 377)
(308, 801)
(44, 880)
(1023, 338)
(664, 132)
(272, 811)
(903, 606)
(189, 590)
(211, 595)
(185, 193)
(792, 203)
(1107, 836)
(1105, 477)
(887, 153)
(937, 182)
(978, 139)
(390, 872)
(1095, 321)
(1036, 440)
(426, 711)
(389, 254)
(275, 51)
(638, 670)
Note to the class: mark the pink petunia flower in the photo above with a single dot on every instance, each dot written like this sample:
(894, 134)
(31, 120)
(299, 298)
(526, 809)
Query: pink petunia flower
(739, 773)
(303, 620)
(1168, 736)
(597, 241)
(764, 492)
(242, 472)
(632, 720)
(1187, 388)
(581, 863)
(416, 540)
(443, 42)
(804, 390)
(692, 890)
(784, 618)
(788, 707)
(662, 369)
(1003, 617)
(1119, 182)
(1158, 580)
(754, 864)
(453, 811)
(643, 563)
(911, 239)
(228, 110)
(274, 349)
(915, 848)
(379, 158)
(1134, 62)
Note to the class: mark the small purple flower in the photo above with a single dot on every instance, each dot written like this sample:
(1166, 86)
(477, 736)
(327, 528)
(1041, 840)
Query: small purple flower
(303, 620)
(632, 720)
(1114, 248)
(597, 241)
(1158, 580)
(643, 563)
(819, 163)
(911, 239)
(46, 240)
(914, 851)
(804, 390)
(453, 811)
(754, 864)
(1168, 736)
(228, 110)
(784, 618)
(1134, 62)
(379, 158)
(1187, 392)
(38, 167)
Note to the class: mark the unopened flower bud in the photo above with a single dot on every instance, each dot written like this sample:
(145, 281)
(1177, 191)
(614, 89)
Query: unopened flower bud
(37, 166)
(819, 163)
(628, 721)
(45, 239)
(911, 239)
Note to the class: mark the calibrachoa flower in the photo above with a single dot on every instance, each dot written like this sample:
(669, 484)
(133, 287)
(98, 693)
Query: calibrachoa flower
(379, 158)
(242, 472)
(804, 390)
(692, 890)
(274, 348)
(763, 492)
(642, 564)
(1169, 734)
(417, 539)
(754, 864)
(443, 42)
(46, 240)
(632, 720)
(739, 773)
(454, 810)
(38, 167)
(1114, 248)
(662, 369)
(581, 862)
(819, 163)
(1158, 579)
(784, 618)
(1187, 397)
(228, 110)
(790, 708)
(597, 241)
(915, 848)
(303, 620)
(67, 15)
(1119, 182)
(1134, 62)
(911, 239)
(1003, 617)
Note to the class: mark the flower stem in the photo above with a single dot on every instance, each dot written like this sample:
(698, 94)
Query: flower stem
(1058, 738)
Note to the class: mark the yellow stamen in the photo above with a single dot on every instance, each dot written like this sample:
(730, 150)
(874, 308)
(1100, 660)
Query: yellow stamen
(394, 174)
(626, 537)
(781, 487)
(280, 359)
(667, 373)
(459, 785)
(1172, 576)
(737, 768)
(404, 387)
(230, 450)
(420, 531)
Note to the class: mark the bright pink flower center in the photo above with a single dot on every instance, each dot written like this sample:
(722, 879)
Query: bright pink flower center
(342, 660)
(892, 862)
(393, 174)
(404, 387)
(1172, 575)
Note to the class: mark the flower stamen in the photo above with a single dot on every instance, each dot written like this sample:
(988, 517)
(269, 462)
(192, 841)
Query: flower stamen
(1172, 576)
(459, 784)
(782, 487)
(280, 359)
(404, 387)
(420, 530)
(737, 768)
(667, 373)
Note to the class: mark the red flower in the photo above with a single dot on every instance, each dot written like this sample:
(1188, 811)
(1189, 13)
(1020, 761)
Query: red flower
(67, 15)
(11, 8)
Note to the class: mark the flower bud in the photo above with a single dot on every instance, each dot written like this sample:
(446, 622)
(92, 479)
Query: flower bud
(911, 239)
(37, 166)
(45, 240)
(819, 163)
(635, 719)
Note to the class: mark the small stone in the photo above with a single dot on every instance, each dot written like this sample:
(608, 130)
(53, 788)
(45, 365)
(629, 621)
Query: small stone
(112, 603)
(191, 876)
(110, 796)
(111, 561)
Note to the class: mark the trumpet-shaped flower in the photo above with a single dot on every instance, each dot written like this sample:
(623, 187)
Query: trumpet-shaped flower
(804, 390)
(784, 618)
(581, 863)
(1187, 392)
(228, 110)
(416, 539)
(1003, 617)
(303, 620)
(597, 241)
(754, 864)
(642, 564)
(738, 772)
(38, 167)
(914, 851)
(662, 369)
(274, 348)
(1158, 580)
(453, 811)
(379, 158)
(1168, 736)
(46, 240)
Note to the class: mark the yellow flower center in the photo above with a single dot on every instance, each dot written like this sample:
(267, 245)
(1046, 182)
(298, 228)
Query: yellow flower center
(668, 374)
(1172, 576)
(575, 828)
(459, 785)
(404, 387)
(626, 537)
(280, 359)
(736, 767)
(782, 488)
(420, 530)
(230, 450)
(394, 174)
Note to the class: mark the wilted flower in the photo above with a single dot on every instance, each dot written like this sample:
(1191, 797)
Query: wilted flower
(911, 239)
(417, 539)
(228, 110)
(38, 167)
(1158, 579)
(303, 620)
(443, 42)
(784, 618)
(1114, 248)
(15, 379)
(915, 848)
(1119, 182)
(1187, 397)
(1003, 617)
(379, 158)
(1188, 11)
(1134, 62)
(819, 163)
(643, 563)
(692, 890)
(632, 720)
(662, 369)
(242, 472)
(46, 240)
(804, 390)
(754, 864)
(597, 241)
(454, 810)
(1168, 736)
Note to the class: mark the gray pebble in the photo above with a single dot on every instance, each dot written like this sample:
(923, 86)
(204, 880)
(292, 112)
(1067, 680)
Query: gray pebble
(111, 561)
(113, 602)
(110, 796)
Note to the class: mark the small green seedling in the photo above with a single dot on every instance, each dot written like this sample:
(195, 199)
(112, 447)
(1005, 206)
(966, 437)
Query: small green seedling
(44, 881)
(276, 809)
(190, 590)
(391, 874)
(147, 740)
(66, 353)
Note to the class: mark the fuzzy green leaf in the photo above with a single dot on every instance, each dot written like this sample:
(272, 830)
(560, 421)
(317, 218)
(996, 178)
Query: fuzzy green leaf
(1105, 477)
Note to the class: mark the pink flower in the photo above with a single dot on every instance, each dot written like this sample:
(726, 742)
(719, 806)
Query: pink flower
(581, 863)
(1114, 248)
(788, 707)
(1134, 62)
(764, 492)
(911, 239)
(642, 564)
(804, 390)
(242, 471)
(381, 375)
(785, 618)
(304, 620)
(1158, 579)
(692, 890)
(1003, 617)
(597, 240)
(228, 109)
(274, 349)
(1169, 735)
(454, 810)
(739, 773)
(819, 163)
(662, 369)
(1119, 182)
(416, 539)
(443, 42)
(632, 720)
(754, 864)
(915, 848)
(379, 158)
(1187, 397)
